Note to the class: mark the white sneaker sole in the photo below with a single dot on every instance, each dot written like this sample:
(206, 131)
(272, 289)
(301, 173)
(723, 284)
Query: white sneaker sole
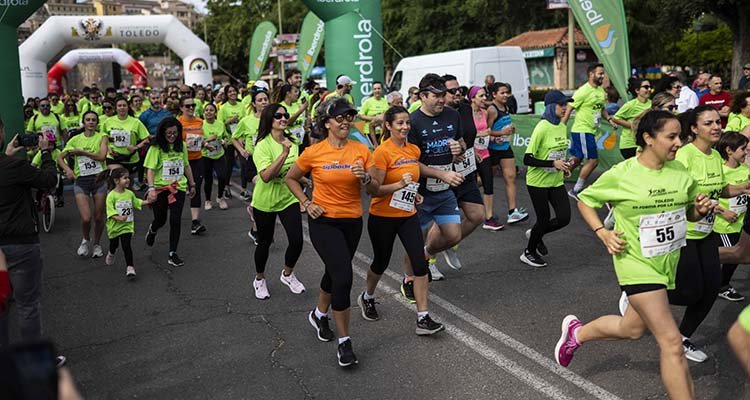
(428, 332)
(437, 277)
(455, 267)
(563, 336)
(345, 365)
(315, 326)
(530, 263)
(517, 220)
(694, 358)
(361, 304)
(289, 285)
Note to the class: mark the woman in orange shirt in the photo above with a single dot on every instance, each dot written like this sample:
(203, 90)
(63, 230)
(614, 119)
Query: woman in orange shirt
(339, 168)
(192, 134)
(393, 212)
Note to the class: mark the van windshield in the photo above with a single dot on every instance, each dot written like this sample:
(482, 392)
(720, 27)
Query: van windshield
(396, 81)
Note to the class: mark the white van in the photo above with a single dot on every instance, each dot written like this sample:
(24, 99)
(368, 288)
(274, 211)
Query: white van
(470, 66)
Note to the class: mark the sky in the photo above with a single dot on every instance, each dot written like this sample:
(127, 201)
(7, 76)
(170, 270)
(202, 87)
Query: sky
(200, 5)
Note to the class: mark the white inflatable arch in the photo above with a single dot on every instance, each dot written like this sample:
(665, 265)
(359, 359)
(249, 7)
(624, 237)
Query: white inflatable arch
(58, 32)
(102, 55)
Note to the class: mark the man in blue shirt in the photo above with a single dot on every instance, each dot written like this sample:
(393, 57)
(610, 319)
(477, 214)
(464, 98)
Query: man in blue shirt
(155, 114)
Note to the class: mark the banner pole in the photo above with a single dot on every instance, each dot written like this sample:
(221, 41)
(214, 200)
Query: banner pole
(282, 72)
(571, 50)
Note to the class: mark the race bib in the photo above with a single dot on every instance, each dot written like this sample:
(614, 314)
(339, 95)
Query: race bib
(172, 170)
(482, 142)
(87, 166)
(120, 138)
(434, 184)
(662, 233)
(298, 132)
(232, 127)
(597, 118)
(125, 208)
(738, 204)
(706, 224)
(404, 198)
(194, 142)
(554, 156)
(469, 163)
(214, 148)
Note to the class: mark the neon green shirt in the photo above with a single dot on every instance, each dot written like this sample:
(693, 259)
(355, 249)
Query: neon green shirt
(41, 123)
(588, 102)
(628, 112)
(708, 172)
(736, 122)
(247, 131)
(37, 160)
(168, 166)
(373, 107)
(69, 122)
(347, 96)
(548, 142)
(85, 166)
(738, 204)
(123, 133)
(121, 204)
(227, 111)
(414, 106)
(97, 108)
(57, 108)
(274, 195)
(81, 103)
(199, 104)
(744, 319)
(216, 146)
(640, 194)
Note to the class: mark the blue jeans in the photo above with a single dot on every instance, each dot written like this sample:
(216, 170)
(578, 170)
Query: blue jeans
(25, 270)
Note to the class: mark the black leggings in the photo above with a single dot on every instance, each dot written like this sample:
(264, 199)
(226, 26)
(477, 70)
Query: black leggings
(628, 153)
(125, 239)
(336, 240)
(209, 166)
(484, 169)
(229, 157)
(160, 208)
(247, 171)
(291, 220)
(383, 231)
(727, 270)
(540, 199)
(196, 166)
(697, 282)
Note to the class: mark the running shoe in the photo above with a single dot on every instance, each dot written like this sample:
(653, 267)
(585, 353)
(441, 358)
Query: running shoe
(197, 228)
(60, 361)
(228, 193)
(541, 248)
(98, 252)
(244, 195)
(731, 294)
(292, 282)
(253, 234)
(492, 224)
(367, 307)
(223, 203)
(407, 290)
(568, 344)
(623, 303)
(261, 290)
(109, 259)
(573, 194)
(130, 272)
(426, 326)
(175, 260)
(517, 216)
(692, 353)
(208, 205)
(83, 249)
(345, 354)
(451, 257)
(434, 271)
(532, 259)
(609, 221)
(150, 237)
(324, 333)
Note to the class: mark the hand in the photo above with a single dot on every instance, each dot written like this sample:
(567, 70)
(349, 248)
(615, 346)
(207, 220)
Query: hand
(287, 144)
(702, 204)
(315, 211)
(151, 196)
(13, 147)
(746, 188)
(455, 147)
(729, 215)
(562, 165)
(377, 121)
(120, 218)
(358, 170)
(233, 119)
(612, 241)
(191, 191)
(419, 200)
(452, 178)
(306, 182)
(477, 157)
(43, 142)
(302, 106)
(70, 174)
(244, 153)
(406, 180)
(508, 130)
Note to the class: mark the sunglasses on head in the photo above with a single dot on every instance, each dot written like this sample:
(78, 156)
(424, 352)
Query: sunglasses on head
(279, 115)
(344, 117)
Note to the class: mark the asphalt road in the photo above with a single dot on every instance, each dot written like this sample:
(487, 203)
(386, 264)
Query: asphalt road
(197, 332)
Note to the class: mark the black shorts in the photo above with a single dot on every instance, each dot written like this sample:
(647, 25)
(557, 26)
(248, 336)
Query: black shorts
(746, 223)
(130, 167)
(468, 191)
(642, 288)
(497, 155)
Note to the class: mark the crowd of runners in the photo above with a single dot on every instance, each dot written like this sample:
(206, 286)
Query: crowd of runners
(427, 165)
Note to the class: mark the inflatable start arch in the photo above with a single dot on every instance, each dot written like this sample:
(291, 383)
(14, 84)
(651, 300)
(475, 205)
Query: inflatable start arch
(74, 57)
(58, 32)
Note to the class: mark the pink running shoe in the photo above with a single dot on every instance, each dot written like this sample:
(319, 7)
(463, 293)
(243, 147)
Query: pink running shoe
(568, 344)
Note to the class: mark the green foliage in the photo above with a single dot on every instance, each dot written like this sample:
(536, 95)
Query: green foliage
(138, 50)
(705, 48)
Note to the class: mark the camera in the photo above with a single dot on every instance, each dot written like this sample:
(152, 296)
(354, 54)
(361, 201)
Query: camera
(28, 140)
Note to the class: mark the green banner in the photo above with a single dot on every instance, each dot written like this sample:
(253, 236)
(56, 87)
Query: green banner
(353, 44)
(11, 103)
(603, 23)
(310, 41)
(260, 47)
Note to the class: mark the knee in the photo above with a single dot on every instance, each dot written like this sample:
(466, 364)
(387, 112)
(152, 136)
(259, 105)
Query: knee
(453, 236)
(670, 345)
(86, 219)
(377, 268)
(634, 332)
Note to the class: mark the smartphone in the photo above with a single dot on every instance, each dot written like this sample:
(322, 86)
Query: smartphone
(32, 371)
(28, 140)
(304, 100)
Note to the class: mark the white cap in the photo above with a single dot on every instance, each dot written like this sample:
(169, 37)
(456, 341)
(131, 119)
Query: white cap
(261, 84)
(344, 80)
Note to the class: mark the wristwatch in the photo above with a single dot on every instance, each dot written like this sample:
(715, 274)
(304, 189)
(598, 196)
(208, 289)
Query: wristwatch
(367, 179)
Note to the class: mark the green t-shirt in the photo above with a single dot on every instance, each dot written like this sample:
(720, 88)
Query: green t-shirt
(298, 128)
(548, 142)
(199, 104)
(628, 112)
(82, 103)
(227, 111)
(217, 146)
(415, 106)
(744, 319)
(736, 122)
(121, 204)
(275, 195)
(246, 102)
(97, 108)
(85, 166)
(37, 160)
(347, 96)
(658, 198)
(708, 172)
(69, 122)
(123, 133)
(168, 166)
(738, 204)
(373, 107)
(588, 102)
(247, 131)
(50, 123)
(57, 108)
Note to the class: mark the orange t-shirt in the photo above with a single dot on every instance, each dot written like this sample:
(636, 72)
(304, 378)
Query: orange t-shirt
(395, 161)
(336, 189)
(192, 134)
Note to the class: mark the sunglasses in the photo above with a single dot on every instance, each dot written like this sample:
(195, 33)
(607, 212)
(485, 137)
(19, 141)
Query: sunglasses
(281, 115)
(677, 87)
(108, 108)
(44, 106)
(344, 117)
(646, 87)
(189, 105)
(454, 91)
(671, 107)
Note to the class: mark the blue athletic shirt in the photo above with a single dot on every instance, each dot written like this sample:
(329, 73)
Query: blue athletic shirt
(503, 120)
(432, 134)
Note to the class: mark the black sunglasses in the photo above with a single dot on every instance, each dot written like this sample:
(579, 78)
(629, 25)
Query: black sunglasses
(671, 107)
(189, 105)
(281, 115)
(454, 91)
(107, 108)
(646, 87)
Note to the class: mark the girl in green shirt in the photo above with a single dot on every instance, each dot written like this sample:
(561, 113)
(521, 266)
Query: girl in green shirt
(230, 114)
(215, 134)
(244, 137)
(127, 135)
(739, 113)
(626, 115)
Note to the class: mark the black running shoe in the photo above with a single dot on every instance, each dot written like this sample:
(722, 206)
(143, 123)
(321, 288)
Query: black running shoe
(533, 259)
(325, 334)
(426, 326)
(368, 308)
(150, 237)
(345, 354)
(197, 228)
(175, 260)
(407, 290)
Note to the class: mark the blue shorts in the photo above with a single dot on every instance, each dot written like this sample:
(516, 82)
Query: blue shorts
(440, 207)
(583, 146)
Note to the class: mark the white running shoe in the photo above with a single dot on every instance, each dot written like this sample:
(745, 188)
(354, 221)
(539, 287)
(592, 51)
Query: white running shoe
(261, 291)
(294, 284)
(624, 303)
(98, 252)
(692, 353)
(83, 249)
(130, 272)
(451, 257)
(435, 272)
(208, 205)
(223, 203)
(110, 259)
